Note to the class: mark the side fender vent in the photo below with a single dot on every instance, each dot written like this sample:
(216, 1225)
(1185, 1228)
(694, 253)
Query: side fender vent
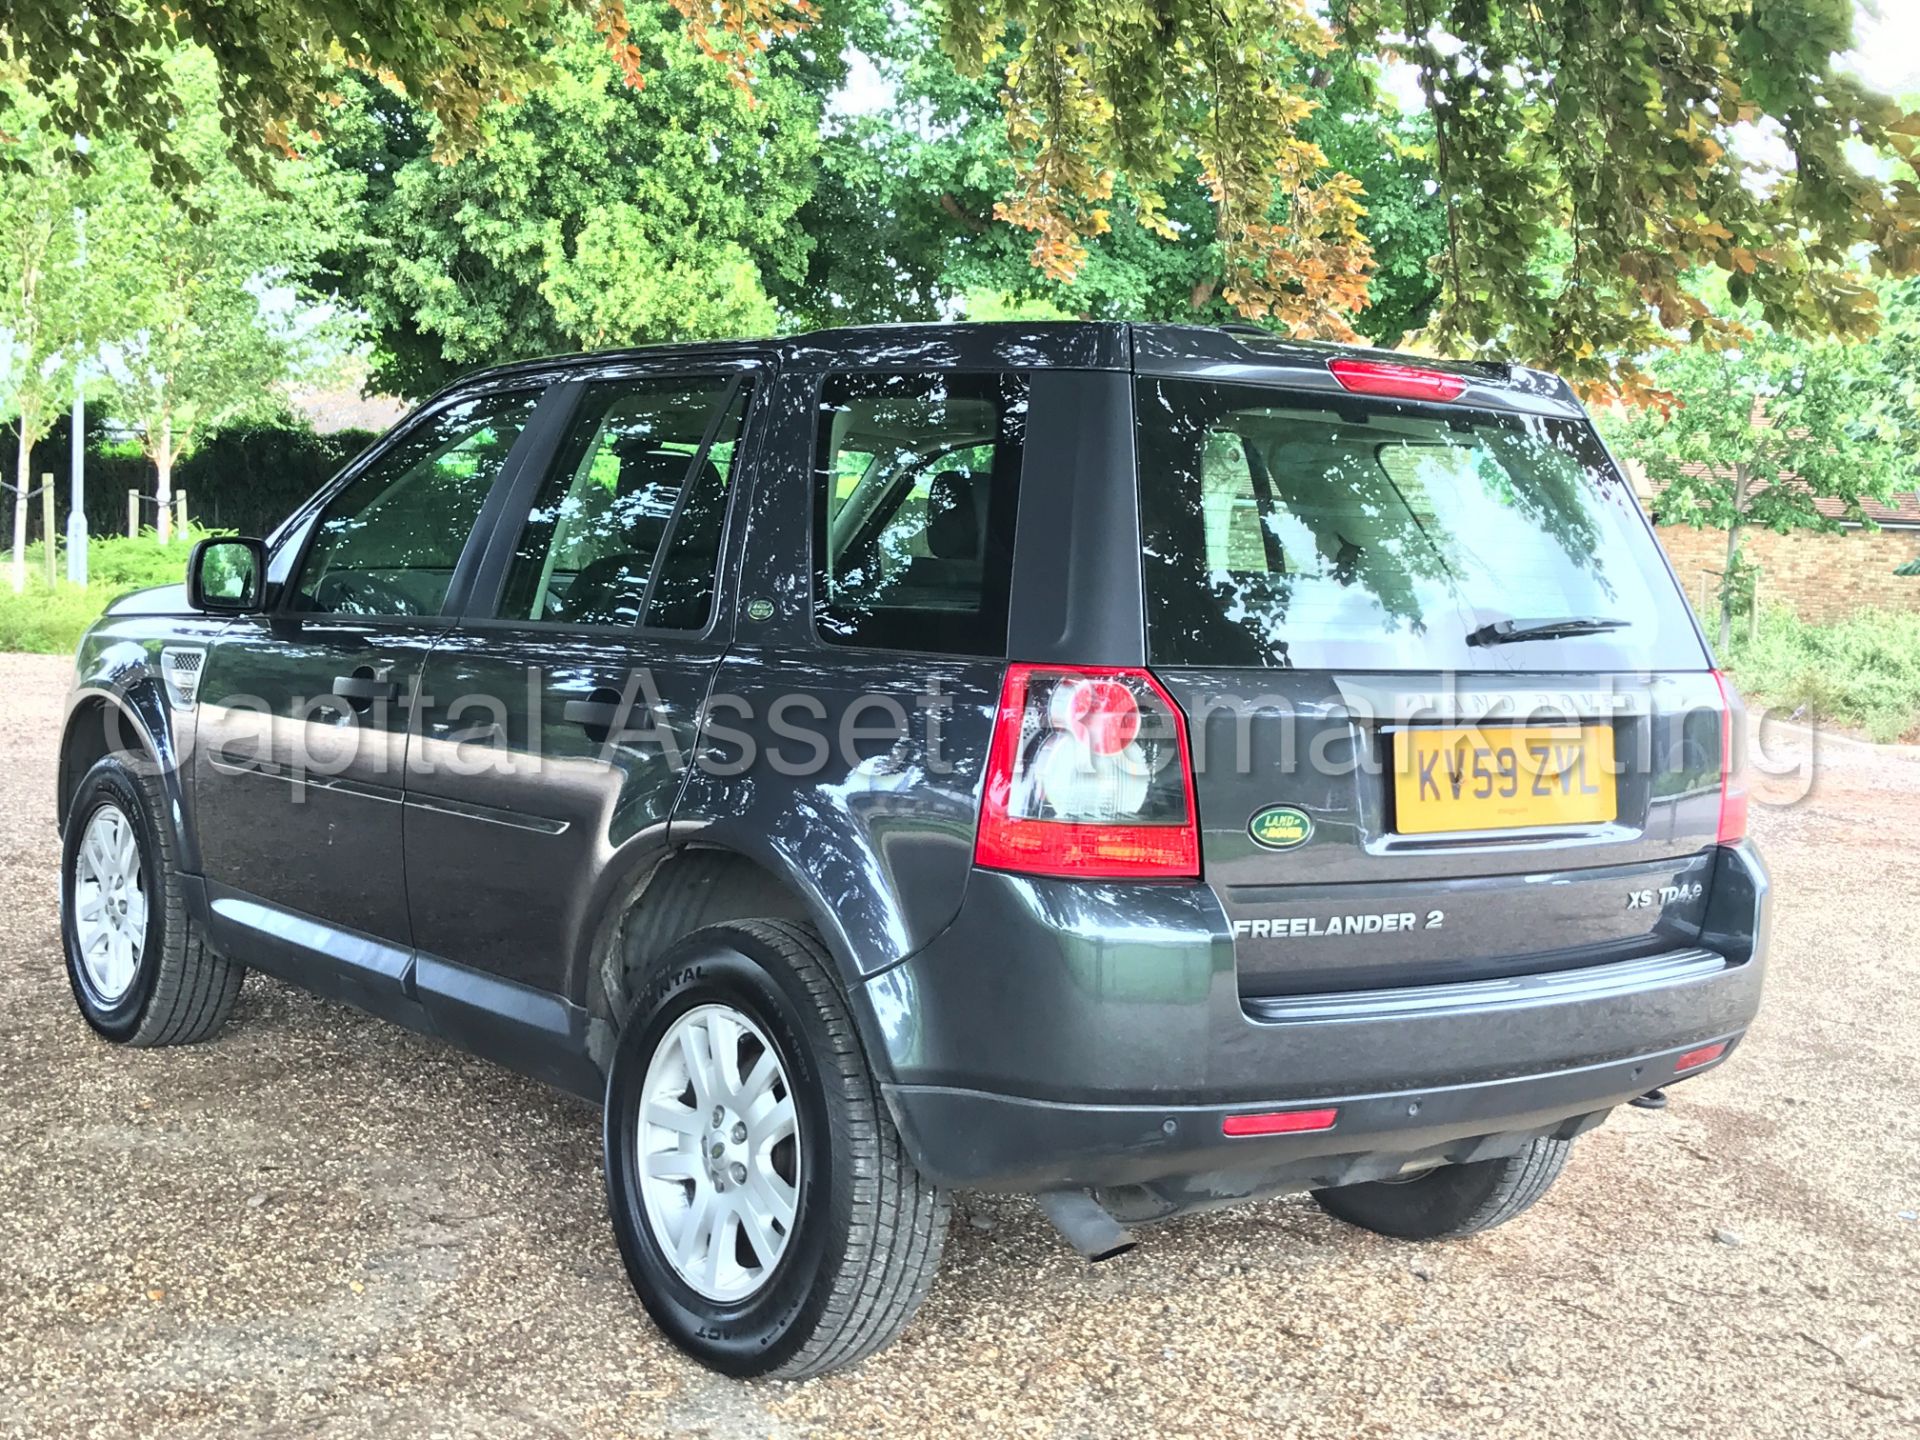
(180, 667)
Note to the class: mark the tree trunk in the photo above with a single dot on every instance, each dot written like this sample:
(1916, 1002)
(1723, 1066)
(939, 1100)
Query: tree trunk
(22, 471)
(1733, 549)
(163, 464)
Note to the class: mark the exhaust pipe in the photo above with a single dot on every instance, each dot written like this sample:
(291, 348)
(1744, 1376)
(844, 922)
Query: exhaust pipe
(1084, 1223)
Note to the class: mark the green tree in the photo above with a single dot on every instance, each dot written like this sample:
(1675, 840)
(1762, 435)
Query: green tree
(48, 313)
(599, 215)
(102, 66)
(211, 287)
(1620, 132)
(1758, 434)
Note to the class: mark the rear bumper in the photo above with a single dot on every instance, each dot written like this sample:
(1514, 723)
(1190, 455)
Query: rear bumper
(1082, 1035)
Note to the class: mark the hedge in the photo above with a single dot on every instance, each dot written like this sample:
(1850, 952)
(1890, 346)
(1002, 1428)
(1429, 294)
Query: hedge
(245, 479)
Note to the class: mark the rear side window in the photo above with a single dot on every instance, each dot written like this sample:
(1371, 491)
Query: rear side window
(630, 515)
(1288, 530)
(916, 478)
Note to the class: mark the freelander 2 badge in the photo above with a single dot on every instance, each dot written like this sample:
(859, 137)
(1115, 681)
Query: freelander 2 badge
(1280, 827)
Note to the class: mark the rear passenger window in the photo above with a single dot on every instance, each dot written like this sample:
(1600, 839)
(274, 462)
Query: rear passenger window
(916, 479)
(631, 514)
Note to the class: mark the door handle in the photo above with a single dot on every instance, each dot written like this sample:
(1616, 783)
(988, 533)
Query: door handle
(363, 687)
(596, 712)
(605, 709)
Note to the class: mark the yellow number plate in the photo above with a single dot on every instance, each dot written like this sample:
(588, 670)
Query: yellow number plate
(1503, 777)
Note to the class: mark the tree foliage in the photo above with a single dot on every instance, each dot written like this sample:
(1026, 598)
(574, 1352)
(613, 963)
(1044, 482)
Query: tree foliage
(1587, 159)
(904, 211)
(102, 66)
(1639, 132)
(195, 342)
(1761, 433)
(600, 214)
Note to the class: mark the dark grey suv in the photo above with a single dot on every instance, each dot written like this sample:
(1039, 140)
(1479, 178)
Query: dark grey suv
(1145, 767)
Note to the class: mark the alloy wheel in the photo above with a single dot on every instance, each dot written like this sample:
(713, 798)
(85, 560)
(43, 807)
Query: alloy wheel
(719, 1152)
(109, 904)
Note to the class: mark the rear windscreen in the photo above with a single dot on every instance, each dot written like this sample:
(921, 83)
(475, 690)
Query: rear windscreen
(1324, 532)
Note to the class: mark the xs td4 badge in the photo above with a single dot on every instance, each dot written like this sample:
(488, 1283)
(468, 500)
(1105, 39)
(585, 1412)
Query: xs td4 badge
(1280, 827)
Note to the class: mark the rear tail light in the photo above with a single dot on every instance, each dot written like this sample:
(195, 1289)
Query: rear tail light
(1694, 1059)
(1733, 772)
(1280, 1122)
(1089, 777)
(1402, 382)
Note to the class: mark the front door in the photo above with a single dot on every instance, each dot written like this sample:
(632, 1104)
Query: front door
(304, 711)
(557, 720)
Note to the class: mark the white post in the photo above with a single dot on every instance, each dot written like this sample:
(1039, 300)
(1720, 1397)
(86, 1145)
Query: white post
(76, 474)
(77, 488)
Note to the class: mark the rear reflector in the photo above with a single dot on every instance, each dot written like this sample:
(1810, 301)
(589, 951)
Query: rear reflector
(1279, 1122)
(1402, 382)
(1733, 776)
(1705, 1055)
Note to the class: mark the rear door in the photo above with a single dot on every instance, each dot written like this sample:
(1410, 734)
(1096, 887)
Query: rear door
(1451, 717)
(558, 720)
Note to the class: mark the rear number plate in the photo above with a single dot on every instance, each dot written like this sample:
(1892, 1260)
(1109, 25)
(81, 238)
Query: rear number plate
(1503, 778)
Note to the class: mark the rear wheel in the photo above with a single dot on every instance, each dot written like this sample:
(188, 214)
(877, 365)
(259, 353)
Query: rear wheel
(139, 971)
(1450, 1200)
(767, 1213)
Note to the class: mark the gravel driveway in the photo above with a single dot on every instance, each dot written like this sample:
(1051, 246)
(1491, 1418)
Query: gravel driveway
(318, 1224)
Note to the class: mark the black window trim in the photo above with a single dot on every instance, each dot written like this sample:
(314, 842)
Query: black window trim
(490, 576)
(818, 518)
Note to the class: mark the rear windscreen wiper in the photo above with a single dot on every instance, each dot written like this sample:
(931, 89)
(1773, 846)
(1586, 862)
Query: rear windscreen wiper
(1505, 632)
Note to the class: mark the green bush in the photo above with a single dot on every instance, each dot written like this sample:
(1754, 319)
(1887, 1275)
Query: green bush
(50, 622)
(1862, 673)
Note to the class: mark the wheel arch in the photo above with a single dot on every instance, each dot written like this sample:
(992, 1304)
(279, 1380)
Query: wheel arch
(134, 720)
(675, 891)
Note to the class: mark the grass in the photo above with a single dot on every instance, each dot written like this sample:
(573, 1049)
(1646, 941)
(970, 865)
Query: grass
(1862, 673)
(50, 622)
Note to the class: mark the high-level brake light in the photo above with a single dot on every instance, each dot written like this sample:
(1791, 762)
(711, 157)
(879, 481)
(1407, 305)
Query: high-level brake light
(1401, 382)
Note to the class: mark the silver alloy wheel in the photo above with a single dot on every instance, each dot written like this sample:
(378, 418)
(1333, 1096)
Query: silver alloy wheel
(719, 1152)
(109, 903)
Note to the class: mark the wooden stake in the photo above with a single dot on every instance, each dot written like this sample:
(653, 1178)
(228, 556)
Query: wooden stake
(180, 512)
(47, 536)
(133, 514)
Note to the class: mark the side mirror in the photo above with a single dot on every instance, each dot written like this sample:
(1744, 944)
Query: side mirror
(227, 576)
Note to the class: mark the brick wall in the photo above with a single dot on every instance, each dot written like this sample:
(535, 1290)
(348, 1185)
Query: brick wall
(1821, 577)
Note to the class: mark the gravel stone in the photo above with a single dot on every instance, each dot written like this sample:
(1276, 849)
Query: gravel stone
(435, 1259)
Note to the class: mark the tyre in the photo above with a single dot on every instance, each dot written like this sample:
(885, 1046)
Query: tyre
(140, 973)
(1451, 1200)
(768, 1216)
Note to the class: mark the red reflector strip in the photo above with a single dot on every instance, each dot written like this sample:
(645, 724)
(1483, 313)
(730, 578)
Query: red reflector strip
(1279, 1122)
(1403, 382)
(1705, 1055)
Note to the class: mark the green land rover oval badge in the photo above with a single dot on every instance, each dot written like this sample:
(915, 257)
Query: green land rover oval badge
(1280, 827)
(759, 610)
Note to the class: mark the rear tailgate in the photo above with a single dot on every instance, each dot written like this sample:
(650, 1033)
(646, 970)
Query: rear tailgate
(1357, 902)
(1450, 716)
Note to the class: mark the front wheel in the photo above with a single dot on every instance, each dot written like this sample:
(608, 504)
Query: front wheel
(1450, 1201)
(140, 972)
(767, 1213)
